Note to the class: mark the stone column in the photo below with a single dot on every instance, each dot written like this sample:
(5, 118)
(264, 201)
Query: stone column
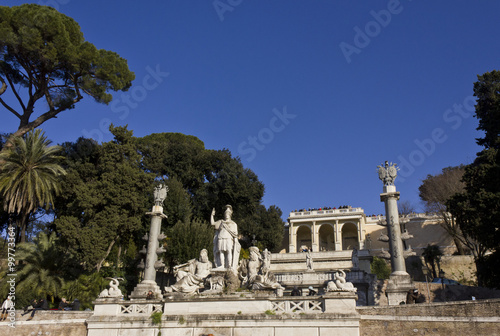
(338, 245)
(399, 281)
(314, 238)
(152, 262)
(291, 244)
(151, 257)
(390, 198)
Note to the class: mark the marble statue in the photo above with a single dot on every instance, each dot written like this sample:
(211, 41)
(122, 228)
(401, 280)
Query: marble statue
(266, 262)
(309, 260)
(387, 173)
(355, 258)
(160, 193)
(254, 272)
(113, 291)
(190, 281)
(340, 284)
(226, 245)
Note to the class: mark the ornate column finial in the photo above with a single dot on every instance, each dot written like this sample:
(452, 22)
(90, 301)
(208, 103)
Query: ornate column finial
(160, 193)
(387, 173)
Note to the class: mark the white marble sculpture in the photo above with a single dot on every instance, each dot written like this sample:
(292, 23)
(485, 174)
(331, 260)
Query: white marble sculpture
(254, 272)
(226, 245)
(309, 261)
(191, 275)
(387, 173)
(113, 291)
(340, 284)
(160, 193)
(355, 258)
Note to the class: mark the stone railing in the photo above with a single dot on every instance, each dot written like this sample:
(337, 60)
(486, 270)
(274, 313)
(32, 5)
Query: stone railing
(297, 306)
(326, 212)
(291, 278)
(139, 309)
(237, 303)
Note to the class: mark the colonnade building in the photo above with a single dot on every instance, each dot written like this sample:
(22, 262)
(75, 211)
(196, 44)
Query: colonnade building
(327, 230)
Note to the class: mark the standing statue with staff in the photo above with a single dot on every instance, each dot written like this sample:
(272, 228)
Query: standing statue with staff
(226, 245)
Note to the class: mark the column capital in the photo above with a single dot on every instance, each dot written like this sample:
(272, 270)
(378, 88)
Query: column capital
(157, 213)
(388, 195)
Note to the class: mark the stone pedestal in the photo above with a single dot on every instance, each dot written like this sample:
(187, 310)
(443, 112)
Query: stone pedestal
(141, 290)
(398, 287)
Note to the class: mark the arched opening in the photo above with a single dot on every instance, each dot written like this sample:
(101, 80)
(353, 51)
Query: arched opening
(349, 236)
(304, 241)
(326, 238)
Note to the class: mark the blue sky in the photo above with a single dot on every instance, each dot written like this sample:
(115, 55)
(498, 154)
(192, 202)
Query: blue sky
(312, 95)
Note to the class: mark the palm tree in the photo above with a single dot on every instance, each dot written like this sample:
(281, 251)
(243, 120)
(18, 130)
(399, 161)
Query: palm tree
(42, 271)
(29, 172)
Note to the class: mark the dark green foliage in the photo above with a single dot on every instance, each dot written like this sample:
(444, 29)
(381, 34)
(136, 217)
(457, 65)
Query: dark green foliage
(86, 289)
(211, 179)
(187, 239)
(41, 271)
(105, 199)
(269, 227)
(477, 209)
(487, 91)
(44, 52)
(108, 189)
(174, 156)
(380, 268)
(432, 257)
(177, 205)
(488, 267)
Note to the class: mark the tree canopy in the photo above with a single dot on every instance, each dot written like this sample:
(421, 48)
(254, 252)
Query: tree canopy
(105, 199)
(108, 190)
(477, 208)
(44, 56)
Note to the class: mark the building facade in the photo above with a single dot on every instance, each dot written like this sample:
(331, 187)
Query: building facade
(326, 230)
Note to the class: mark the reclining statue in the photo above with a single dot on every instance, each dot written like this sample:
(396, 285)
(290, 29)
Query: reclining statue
(193, 279)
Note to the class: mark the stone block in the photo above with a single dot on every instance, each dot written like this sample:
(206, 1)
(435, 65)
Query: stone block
(296, 331)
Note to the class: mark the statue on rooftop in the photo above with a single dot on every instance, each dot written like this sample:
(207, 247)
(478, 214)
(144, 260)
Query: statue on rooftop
(226, 245)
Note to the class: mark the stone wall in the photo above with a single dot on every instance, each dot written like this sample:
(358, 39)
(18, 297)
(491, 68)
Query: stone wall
(48, 323)
(463, 318)
(448, 318)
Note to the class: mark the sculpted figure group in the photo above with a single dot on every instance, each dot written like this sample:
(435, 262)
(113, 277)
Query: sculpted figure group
(254, 273)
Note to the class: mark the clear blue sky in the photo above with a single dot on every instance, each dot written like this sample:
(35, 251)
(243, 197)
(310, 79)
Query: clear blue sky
(312, 95)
